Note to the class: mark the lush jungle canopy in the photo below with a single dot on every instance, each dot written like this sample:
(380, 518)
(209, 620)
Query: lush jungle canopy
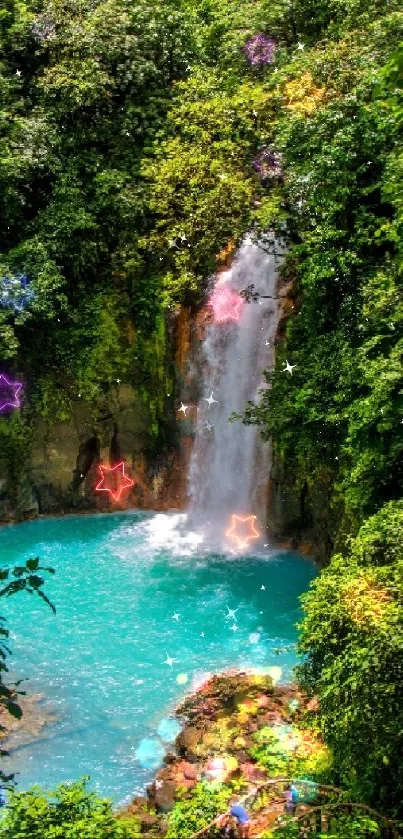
(136, 140)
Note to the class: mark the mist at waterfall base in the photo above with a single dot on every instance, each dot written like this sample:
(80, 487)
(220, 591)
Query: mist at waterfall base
(100, 661)
(230, 463)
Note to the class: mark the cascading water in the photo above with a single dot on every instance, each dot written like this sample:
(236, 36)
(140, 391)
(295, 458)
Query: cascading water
(230, 461)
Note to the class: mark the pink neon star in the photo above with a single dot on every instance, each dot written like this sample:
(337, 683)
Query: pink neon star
(242, 538)
(9, 393)
(226, 304)
(115, 481)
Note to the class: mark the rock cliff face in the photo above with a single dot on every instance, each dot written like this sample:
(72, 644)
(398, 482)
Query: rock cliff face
(62, 467)
(298, 516)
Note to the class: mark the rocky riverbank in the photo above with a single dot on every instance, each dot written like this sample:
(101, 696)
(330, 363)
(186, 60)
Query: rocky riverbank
(238, 729)
(36, 716)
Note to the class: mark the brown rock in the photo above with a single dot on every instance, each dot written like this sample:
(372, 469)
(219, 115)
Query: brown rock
(190, 771)
(165, 796)
(187, 742)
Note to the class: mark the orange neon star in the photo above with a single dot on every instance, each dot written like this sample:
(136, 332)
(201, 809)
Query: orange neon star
(242, 539)
(115, 481)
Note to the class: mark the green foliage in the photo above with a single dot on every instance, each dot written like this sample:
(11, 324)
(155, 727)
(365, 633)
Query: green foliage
(352, 637)
(127, 136)
(283, 751)
(335, 422)
(84, 88)
(71, 812)
(206, 802)
(341, 826)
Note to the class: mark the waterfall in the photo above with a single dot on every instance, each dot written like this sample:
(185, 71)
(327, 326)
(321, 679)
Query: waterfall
(230, 462)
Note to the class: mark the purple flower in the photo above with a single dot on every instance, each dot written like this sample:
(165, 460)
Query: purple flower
(268, 163)
(260, 49)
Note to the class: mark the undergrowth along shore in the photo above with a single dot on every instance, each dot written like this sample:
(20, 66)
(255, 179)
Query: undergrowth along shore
(241, 734)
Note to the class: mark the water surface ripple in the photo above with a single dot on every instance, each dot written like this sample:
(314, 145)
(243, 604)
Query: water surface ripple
(100, 661)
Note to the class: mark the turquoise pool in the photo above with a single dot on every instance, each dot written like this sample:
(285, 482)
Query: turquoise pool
(101, 661)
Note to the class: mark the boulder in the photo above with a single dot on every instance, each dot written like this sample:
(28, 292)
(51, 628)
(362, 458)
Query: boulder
(187, 742)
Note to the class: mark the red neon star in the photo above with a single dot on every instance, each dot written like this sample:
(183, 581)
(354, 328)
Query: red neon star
(243, 537)
(115, 481)
(226, 304)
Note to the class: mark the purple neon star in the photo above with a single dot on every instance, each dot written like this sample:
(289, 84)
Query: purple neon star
(9, 393)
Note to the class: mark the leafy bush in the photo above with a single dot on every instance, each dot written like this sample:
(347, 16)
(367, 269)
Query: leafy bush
(341, 826)
(352, 637)
(206, 801)
(71, 812)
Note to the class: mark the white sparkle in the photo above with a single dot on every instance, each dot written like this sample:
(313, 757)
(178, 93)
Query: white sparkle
(175, 617)
(288, 367)
(231, 613)
(262, 588)
(183, 408)
(18, 73)
(159, 784)
(202, 635)
(234, 627)
(210, 400)
(169, 661)
(209, 426)
(301, 46)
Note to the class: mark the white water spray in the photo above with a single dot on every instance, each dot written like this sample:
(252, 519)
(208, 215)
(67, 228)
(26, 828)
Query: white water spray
(230, 463)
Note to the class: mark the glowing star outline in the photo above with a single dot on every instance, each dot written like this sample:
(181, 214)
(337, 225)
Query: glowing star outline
(211, 399)
(226, 304)
(288, 367)
(16, 387)
(232, 531)
(115, 495)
